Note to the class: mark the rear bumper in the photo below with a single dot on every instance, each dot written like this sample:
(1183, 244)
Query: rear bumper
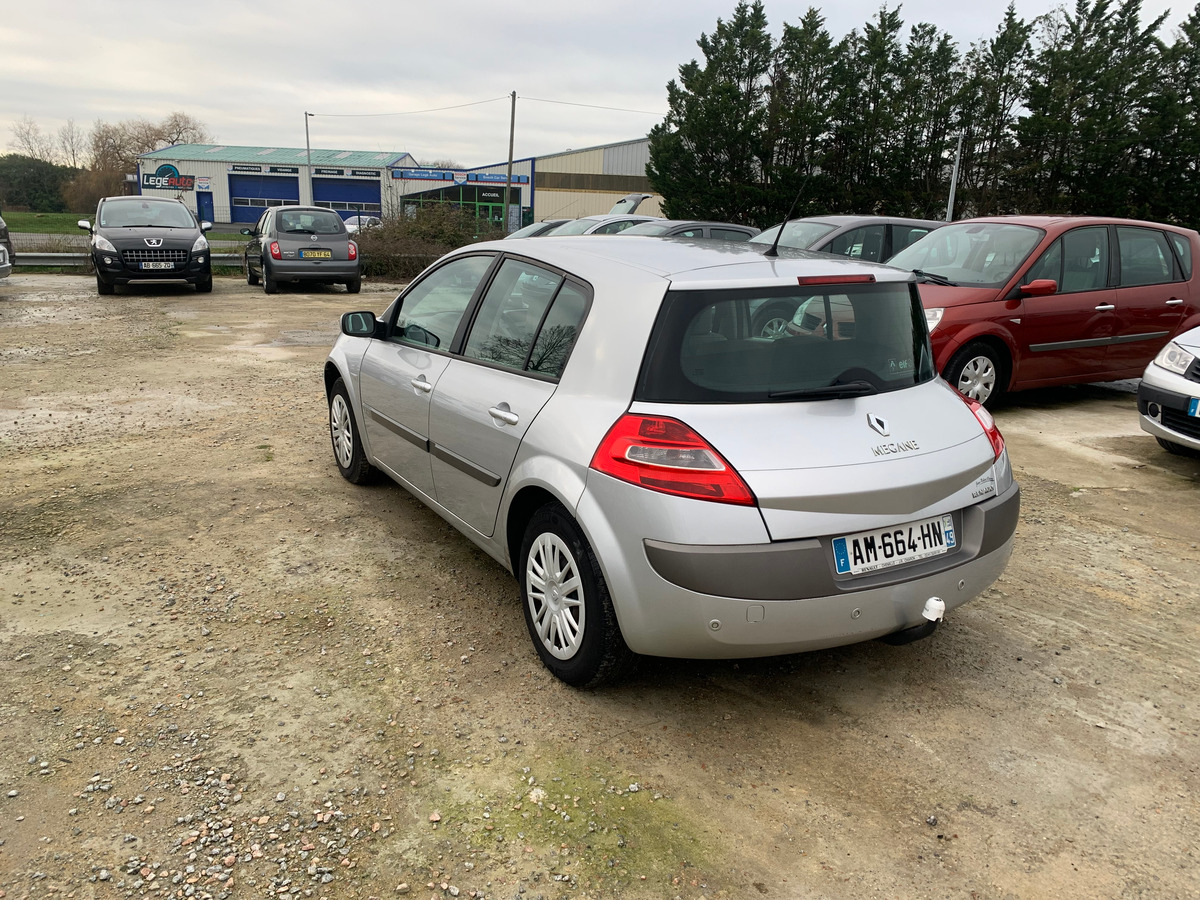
(770, 598)
(328, 271)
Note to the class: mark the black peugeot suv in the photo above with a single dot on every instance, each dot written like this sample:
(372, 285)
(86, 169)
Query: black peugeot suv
(148, 239)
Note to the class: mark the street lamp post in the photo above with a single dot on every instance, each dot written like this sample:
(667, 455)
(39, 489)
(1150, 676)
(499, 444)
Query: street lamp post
(512, 125)
(954, 179)
(308, 155)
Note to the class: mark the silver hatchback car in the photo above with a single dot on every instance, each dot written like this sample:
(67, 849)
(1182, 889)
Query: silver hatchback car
(602, 418)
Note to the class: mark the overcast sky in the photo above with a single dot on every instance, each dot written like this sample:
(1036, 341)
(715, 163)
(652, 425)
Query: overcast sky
(250, 71)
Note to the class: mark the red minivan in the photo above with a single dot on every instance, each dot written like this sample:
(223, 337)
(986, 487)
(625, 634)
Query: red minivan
(1016, 302)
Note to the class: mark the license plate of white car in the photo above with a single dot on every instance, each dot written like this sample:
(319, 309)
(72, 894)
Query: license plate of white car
(158, 265)
(870, 551)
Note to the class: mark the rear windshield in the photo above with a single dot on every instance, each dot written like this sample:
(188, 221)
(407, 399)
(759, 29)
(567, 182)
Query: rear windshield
(786, 344)
(310, 221)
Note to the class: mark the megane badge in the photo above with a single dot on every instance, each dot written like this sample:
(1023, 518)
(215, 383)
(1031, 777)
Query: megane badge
(153, 242)
(878, 424)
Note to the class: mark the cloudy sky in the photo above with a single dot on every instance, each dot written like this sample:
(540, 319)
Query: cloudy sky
(250, 71)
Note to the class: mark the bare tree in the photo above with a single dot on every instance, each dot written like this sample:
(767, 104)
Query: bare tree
(443, 164)
(180, 128)
(29, 140)
(72, 144)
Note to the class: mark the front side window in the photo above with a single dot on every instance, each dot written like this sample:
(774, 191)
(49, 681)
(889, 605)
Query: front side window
(1085, 259)
(1145, 256)
(844, 340)
(984, 254)
(431, 310)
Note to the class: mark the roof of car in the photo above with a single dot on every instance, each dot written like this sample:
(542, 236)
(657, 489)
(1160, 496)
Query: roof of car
(686, 263)
(1054, 221)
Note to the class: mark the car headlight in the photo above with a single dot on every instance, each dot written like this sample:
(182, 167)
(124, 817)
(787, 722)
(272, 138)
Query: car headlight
(201, 244)
(933, 317)
(103, 243)
(1174, 358)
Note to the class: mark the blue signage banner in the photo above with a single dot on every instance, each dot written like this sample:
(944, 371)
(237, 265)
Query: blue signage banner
(422, 175)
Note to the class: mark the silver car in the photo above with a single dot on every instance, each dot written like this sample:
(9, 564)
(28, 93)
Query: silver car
(601, 418)
(1169, 396)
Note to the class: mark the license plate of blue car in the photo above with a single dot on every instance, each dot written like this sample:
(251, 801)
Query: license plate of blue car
(870, 551)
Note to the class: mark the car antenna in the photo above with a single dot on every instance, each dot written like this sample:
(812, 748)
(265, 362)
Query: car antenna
(773, 250)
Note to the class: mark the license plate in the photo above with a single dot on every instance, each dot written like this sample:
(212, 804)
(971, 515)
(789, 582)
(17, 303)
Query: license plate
(316, 254)
(870, 551)
(158, 265)
(1194, 407)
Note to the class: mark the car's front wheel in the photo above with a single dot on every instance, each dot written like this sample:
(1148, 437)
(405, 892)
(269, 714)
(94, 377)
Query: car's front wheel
(568, 610)
(343, 431)
(978, 372)
(1176, 449)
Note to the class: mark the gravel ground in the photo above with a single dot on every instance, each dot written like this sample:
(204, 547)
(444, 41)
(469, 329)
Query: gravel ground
(225, 672)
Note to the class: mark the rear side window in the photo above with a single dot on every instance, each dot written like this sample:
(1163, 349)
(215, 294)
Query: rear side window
(1145, 256)
(1183, 248)
(728, 234)
(861, 243)
(840, 340)
(903, 235)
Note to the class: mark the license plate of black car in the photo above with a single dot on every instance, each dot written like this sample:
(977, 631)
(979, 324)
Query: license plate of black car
(158, 265)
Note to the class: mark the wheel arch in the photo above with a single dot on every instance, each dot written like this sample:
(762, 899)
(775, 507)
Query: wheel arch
(1002, 344)
(527, 501)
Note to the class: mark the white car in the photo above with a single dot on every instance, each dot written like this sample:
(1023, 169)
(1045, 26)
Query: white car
(1169, 395)
(354, 224)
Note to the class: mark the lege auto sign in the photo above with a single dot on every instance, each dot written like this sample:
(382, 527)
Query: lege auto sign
(167, 178)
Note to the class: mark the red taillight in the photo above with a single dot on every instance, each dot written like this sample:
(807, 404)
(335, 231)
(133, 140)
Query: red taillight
(353, 248)
(274, 248)
(665, 455)
(835, 279)
(988, 423)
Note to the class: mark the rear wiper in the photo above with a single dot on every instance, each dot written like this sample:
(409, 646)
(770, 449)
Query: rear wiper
(935, 278)
(829, 392)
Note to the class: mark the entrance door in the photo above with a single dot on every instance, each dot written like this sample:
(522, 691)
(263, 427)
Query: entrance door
(204, 205)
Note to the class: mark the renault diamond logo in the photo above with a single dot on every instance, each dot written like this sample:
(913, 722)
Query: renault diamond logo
(878, 424)
(153, 242)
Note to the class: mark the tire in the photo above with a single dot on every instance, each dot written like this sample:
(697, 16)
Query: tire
(103, 287)
(204, 285)
(567, 607)
(978, 372)
(270, 285)
(251, 278)
(772, 321)
(354, 285)
(343, 432)
(1177, 449)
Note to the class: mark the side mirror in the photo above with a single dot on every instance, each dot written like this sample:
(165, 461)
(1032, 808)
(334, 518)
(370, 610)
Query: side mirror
(1040, 287)
(247, 231)
(360, 324)
(84, 224)
(205, 226)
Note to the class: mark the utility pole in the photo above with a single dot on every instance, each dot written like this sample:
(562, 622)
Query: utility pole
(308, 153)
(512, 127)
(954, 180)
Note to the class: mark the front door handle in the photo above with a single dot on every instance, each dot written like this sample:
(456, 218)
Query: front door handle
(503, 415)
(421, 384)
(1174, 301)
(1105, 307)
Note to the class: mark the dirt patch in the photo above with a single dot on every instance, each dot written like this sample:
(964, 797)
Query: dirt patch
(226, 672)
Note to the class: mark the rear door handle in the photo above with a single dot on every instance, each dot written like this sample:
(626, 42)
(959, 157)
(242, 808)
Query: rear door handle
(1105, 307)
(503, 415)
(421, 384)
(1174, 301)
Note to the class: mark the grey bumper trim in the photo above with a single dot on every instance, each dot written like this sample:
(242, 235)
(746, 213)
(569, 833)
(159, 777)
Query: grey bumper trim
(799, 570)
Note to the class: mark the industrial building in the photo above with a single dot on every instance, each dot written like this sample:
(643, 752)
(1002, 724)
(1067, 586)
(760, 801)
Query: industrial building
(230, 184)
